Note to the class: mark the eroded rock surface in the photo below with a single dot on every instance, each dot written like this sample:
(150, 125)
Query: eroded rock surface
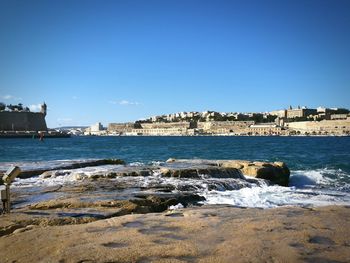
(276, 172)
(205, 234)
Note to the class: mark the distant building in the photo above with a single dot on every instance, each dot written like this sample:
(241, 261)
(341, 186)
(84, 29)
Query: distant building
(279, 113)
(96, 129)
(300, 112)
(339, 116)
(265, 129)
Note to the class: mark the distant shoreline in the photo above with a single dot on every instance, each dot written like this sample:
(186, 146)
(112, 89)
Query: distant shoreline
(33, 135)
(218, 135)
(23, 136)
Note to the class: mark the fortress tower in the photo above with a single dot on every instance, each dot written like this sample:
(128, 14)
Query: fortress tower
(22, 120)
(43, 109)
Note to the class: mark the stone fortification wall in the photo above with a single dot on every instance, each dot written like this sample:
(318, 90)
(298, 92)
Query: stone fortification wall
(265, 129)
(122, 127)
(22, 121)
(166, 125)
(160, 131)
(323, 127)
(219, 127)
(339, 116)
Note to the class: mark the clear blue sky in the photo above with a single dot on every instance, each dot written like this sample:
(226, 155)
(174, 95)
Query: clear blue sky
(116, 61)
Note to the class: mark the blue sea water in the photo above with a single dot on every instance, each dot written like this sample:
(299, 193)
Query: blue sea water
(316, 163)
(297, 152)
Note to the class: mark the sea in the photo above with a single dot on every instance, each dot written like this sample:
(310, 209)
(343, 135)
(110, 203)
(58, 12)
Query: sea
(320, 166)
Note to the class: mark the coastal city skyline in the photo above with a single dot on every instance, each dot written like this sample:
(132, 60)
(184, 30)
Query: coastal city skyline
(124, 61)
(19, 121)
(303, 112)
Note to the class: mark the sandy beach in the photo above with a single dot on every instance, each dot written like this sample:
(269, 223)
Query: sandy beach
(202, 234)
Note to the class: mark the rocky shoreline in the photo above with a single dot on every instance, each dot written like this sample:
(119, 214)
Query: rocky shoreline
(202, 234)
(109, 211)
(79, 192)
(276, 172)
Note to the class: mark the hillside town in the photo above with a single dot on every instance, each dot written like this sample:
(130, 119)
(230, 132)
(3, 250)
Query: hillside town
(291, 121)
(16, 120)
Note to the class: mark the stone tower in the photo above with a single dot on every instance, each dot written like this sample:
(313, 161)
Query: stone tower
(43, 109)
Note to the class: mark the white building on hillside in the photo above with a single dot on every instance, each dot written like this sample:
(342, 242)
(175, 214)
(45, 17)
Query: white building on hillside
(96, 129)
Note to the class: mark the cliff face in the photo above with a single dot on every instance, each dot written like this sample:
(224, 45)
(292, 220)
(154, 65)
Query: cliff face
(22, 121)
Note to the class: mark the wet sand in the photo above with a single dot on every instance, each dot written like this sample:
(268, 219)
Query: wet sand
(199, 234)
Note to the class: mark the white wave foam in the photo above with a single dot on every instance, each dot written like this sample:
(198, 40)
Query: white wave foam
(307, 178)
(156, 163)
(317, 177)
(176, 207)
(40, 181)
(27, 165)
(61, 177)
(273, 196)
(137, 164)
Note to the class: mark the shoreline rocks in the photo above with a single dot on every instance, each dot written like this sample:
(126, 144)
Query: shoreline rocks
(276, 172)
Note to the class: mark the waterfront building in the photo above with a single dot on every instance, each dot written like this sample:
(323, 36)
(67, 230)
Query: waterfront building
(265, 129)
(279, 113)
